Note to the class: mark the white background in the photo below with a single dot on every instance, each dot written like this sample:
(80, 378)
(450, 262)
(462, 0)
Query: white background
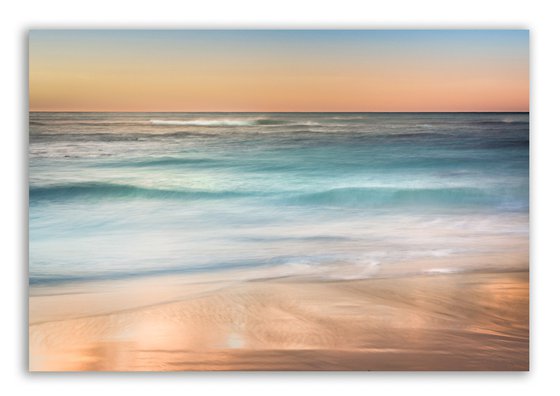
(540, 17)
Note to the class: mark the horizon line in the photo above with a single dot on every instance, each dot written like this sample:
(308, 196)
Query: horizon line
(278, 112)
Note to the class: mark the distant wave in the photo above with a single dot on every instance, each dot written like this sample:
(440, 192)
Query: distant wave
(411, 135)
(218, 122)
(159, 161)
(204, 122)
(200, 122)
(163, 122)
(500, 122)
(113, 190)
(88, 123)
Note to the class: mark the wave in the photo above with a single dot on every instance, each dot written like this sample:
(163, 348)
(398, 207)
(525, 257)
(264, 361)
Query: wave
(218, 122)
(361, 196)
(320, 267)
(113, 190)
(198, 122)
(204, 122)
(501, 122)
(349, 197)
(163, 122)
(410, 135)
(233, 122)
(158, 161)
(88, 123)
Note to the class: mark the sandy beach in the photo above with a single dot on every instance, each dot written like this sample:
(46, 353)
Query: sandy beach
(460, 321)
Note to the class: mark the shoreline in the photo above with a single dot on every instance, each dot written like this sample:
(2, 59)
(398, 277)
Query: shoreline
(440, 321)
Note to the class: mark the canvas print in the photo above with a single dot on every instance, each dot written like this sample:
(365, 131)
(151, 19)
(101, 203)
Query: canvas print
(278, 200)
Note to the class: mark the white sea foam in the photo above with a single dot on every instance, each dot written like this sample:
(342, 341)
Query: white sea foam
(435, 271)
(202, 122)
(358, 268)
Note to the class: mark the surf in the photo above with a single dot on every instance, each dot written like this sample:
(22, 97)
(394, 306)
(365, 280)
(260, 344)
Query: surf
(100, 190)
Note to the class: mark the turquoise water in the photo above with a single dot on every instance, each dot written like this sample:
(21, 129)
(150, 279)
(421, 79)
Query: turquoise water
(332, 195)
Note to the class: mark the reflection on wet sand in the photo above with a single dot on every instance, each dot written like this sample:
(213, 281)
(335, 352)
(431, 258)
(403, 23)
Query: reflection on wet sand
(464, 321)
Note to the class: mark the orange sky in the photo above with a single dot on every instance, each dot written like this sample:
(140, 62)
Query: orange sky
(279, 71)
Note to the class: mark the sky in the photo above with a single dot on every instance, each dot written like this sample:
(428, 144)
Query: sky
(279, 70)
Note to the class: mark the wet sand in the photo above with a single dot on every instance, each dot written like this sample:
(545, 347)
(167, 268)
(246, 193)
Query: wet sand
(461, 321)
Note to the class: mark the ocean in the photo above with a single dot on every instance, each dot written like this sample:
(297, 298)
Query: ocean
(326, 196)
